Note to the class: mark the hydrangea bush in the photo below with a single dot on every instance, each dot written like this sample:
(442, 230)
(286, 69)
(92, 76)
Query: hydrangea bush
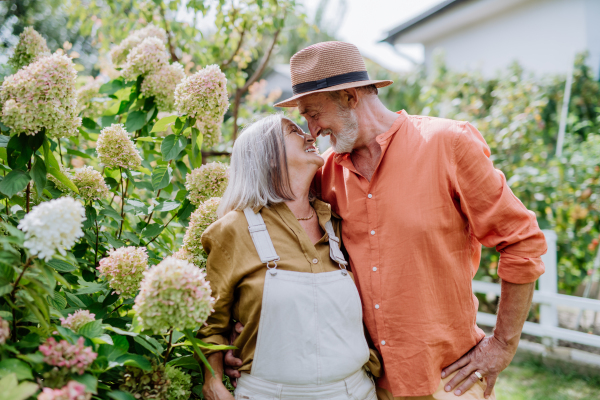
(31, 46)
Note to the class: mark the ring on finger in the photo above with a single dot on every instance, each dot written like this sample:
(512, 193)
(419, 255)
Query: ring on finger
(478, 375)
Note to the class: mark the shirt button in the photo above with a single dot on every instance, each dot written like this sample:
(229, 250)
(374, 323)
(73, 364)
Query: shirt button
(374, 269)
(377, 306)
(315, 261)
(372, 232)
(370, 195)
(383, 342)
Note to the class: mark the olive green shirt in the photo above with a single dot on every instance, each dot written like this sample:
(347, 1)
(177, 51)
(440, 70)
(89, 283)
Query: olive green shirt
(237, 276)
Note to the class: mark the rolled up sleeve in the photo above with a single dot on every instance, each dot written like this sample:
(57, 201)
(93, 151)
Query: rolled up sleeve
(497, 218)
(218, 269)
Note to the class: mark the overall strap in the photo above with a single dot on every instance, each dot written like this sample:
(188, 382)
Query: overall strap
(260, 237)
(334, 245)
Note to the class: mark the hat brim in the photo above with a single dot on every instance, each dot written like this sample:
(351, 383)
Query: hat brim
(291, 102)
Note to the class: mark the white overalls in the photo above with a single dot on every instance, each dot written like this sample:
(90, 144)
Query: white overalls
(311, 343)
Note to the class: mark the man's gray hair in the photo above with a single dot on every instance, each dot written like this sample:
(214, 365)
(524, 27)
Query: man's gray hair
(258, 173)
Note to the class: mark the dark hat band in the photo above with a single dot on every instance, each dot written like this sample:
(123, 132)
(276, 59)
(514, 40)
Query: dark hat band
(331, 81)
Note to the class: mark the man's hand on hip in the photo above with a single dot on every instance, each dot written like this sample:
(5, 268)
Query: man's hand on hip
(489, 358)
(231, 362)
(493, 354)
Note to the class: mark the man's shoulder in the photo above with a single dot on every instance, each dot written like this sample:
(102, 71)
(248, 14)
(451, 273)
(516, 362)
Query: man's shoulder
(435, 127)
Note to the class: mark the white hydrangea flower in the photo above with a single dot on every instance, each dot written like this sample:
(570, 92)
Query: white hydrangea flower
(120, 52)
(203, 96)
(53, 226)
(147, 57)
(161, 84)
(40, 96)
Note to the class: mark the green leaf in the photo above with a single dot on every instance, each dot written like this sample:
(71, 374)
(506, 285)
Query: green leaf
(103, 339)
(57, 301)
(161, 176)
(4, 141)
(118, 395)
(78, 153)
(112, 87)
(90, 217)
(14, 182)
(185, 210)
(152, 230)
(167, 205)
(172, 146)
(121, 331)
(18, 367)
(18, 151)
(91, 329)
(113, 241)
(89, 123)
(142, 342)
(188, 362)
(89, 381)
(135, 120)
(67, 334)
(39, 175)
(54, 169)
(60, 265)
(189, 335)
(12, 391)
(163, 123)
(135, 360)
(74, 300)
(108, 211)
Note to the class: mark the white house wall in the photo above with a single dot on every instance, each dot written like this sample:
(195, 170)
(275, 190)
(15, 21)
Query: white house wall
(543, 35)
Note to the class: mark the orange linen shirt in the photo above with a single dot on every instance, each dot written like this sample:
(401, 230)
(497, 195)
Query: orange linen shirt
(413, 235)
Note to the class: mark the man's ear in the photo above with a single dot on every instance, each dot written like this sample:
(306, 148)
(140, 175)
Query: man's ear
(350, 98)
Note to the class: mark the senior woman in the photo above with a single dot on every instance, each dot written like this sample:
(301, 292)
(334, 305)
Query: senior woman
(275, 265)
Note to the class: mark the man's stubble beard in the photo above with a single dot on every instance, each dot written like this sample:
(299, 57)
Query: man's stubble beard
(344, 140)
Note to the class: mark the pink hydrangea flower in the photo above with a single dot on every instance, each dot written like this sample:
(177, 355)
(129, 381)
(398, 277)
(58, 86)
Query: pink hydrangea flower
(90, 103)
(73, 357)
(120, 52)
(203, 96)
(124, 268)
(78, 319)
(162, 83)
(205, 214)
(71, 391)
(208, 181)
(4, 331)
(173, 294)
(147, 57)
(31, 46)
(115, 149)
(42, 95)
(90, 183)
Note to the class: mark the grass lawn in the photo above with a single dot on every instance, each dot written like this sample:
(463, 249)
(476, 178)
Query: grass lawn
(530, 380)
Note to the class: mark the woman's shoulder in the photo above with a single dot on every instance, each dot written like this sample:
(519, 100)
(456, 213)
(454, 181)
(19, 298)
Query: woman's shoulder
(227, 227)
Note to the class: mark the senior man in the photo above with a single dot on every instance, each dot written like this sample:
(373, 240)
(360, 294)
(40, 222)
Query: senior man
(418, 196)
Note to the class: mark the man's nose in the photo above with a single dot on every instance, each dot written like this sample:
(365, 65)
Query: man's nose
(314, 129)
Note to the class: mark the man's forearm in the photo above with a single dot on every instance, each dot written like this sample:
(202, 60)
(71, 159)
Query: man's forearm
(515, 302)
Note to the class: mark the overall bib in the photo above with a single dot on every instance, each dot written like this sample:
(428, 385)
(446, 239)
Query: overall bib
(311, 343)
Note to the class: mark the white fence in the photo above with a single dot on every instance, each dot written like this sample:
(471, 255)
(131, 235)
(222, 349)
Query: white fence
(548, 297)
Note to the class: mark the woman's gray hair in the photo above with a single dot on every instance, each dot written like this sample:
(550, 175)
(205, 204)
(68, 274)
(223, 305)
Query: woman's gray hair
(258, 173)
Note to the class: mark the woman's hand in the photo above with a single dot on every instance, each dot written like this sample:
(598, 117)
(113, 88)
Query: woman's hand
(213, 388)
(216, 390)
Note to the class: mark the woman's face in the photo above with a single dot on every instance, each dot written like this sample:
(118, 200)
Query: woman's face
(302, 154)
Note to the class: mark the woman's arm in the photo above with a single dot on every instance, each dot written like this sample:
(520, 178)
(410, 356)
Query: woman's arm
(213, 388)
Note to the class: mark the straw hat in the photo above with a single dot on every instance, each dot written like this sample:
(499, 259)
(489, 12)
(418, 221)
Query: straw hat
(325, 67)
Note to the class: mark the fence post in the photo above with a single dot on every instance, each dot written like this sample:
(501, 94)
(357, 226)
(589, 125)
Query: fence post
(548, 283)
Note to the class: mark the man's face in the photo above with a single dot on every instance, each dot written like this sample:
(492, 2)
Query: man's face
(326, 116)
